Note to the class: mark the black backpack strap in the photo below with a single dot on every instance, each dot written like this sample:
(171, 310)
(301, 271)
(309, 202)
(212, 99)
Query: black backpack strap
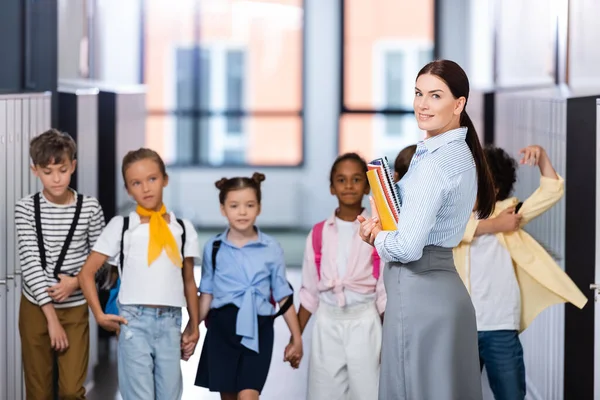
(65, 248)
(123, 230)
(215, 250)
(180, 222)
(288, 303)
(38, 229)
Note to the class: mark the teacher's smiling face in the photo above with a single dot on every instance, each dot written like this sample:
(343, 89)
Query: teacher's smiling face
(436, 109)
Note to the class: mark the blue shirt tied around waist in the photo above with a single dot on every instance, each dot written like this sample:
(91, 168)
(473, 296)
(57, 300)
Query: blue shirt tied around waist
(437, 196)
(245, 277)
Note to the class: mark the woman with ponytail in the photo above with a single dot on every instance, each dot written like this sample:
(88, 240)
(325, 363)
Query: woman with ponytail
(430, 346)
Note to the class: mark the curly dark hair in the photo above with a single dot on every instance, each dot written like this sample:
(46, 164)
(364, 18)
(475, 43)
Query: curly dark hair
(504, 170)
(345, 157)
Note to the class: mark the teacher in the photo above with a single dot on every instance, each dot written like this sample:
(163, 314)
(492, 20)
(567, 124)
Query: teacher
(429, 333)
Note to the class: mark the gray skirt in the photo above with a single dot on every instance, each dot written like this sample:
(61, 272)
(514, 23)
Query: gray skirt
(430, 349)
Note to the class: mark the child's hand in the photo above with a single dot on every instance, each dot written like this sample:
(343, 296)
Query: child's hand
(531, 155)
(293, 352)
(508, 220)
(111, 322)
(189, 340)
(58, 336)
(64, 288)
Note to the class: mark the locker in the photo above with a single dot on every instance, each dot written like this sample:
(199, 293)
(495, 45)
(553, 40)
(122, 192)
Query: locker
(3, 306)
(43, 123)
(11, 316)
(18, 193)
(25, 170)
(3, 343)
(3, 174)
(33, 111)
(10, 246)
(18, 378)
(10, 186)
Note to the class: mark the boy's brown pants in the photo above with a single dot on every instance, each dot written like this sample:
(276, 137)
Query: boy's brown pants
(38, 354)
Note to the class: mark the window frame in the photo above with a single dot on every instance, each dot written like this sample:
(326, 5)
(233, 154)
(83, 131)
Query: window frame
(378, 112)
(197, 114)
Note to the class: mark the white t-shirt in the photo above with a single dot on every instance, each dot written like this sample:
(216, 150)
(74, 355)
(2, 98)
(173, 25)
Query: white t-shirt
(494, 287)
(346, 231)
(161, 283)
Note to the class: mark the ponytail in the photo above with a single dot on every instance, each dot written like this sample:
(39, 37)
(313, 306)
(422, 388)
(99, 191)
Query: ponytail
(486, 196)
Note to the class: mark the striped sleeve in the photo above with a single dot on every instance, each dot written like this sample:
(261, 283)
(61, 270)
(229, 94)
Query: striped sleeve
(421, 205)
(29, 255)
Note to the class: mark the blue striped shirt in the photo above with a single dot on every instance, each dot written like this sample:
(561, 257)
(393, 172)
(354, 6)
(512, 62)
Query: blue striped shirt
(437, 196)
(245, 277)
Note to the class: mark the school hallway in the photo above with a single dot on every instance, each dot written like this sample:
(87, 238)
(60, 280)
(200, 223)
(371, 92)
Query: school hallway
(283, 381)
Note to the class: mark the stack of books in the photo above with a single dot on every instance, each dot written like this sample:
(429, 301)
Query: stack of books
(385, 193)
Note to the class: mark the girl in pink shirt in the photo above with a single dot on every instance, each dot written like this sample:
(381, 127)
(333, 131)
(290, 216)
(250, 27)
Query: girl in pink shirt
(341, 285)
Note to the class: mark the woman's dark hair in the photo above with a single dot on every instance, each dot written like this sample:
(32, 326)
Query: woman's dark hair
(347, 157)
(226, 185)
(403, 160)
(456, 79)
(504, 170)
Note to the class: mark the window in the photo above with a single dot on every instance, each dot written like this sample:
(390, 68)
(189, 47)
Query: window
(385, 44)
(224, 81)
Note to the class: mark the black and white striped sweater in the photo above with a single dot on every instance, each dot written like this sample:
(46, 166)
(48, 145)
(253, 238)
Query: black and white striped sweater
(56, 221)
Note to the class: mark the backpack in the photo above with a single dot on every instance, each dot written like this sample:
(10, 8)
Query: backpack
(111, 304)
(288, 302)
(317, 242)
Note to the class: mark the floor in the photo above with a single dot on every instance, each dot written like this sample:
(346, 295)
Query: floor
(283, 382)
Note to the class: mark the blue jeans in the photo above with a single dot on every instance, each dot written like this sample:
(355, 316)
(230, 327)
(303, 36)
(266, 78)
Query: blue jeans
(149, 353)
(502, 355)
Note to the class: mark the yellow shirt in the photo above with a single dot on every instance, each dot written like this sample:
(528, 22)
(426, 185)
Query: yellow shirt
(541, 281)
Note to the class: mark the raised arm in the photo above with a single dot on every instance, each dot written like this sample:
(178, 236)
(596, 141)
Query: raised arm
(551, 189)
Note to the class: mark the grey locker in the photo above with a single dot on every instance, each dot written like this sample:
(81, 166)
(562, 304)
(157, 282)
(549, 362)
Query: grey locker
(18, 376)
(3, 174)
(11, 331)
(25, 170)
(32, 129)
(18, 193)
(3, 345)
(10, 246)
(10, 186)
(3, 299)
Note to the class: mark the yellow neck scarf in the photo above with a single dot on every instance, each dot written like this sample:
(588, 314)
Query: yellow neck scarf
(160, 236)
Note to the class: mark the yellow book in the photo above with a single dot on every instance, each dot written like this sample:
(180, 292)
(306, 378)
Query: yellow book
(385, 194)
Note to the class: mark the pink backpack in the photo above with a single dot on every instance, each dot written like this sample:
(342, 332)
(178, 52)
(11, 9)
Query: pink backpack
(317, 241)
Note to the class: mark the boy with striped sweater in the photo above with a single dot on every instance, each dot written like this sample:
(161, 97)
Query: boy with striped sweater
(56, 229)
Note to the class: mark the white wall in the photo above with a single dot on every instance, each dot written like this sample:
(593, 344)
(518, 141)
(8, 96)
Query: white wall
(116, 39)
(584, 36)
(71, 32)
(525, 40)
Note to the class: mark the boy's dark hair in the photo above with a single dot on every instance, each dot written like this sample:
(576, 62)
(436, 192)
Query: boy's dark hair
(226, 185)
(504, 170)
(51, 147)
(345, 157)
(403, 160)
(139, 155)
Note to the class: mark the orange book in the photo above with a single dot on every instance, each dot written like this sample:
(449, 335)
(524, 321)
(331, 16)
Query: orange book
(385, 193)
